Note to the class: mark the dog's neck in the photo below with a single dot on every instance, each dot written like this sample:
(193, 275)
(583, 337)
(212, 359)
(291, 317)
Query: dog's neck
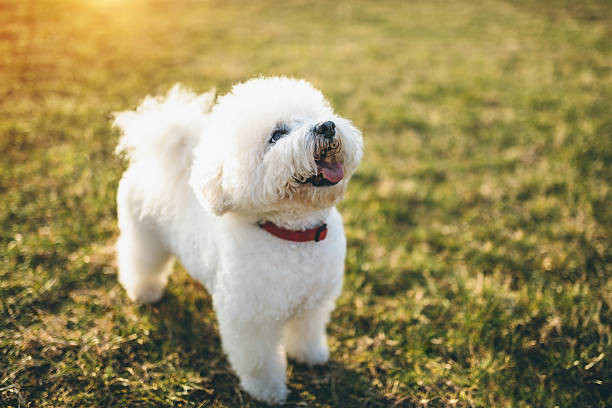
(301, 221)
(294, 222)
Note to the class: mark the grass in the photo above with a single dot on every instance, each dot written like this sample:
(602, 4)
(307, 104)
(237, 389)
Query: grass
(479, 224)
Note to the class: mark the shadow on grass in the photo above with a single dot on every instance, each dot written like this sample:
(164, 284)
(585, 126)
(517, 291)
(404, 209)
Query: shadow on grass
(187, 327)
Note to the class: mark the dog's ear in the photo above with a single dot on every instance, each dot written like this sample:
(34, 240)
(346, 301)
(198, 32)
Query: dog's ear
(207, 182)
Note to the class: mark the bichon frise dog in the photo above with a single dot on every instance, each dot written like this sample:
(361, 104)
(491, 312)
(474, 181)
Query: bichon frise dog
(242, 192)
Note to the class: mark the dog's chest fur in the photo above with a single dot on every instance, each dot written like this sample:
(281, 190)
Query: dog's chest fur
(254, 269)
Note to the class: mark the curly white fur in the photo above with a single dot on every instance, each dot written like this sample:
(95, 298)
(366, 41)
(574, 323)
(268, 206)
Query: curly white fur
(201, 177)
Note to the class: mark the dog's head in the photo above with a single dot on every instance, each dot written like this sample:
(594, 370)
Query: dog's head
(274, 145)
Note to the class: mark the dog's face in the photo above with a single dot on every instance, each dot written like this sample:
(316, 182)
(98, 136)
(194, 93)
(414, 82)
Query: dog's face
(274, 146)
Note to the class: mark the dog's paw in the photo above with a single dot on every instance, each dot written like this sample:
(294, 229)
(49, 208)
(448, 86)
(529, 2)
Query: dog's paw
(149, 292)
(271, 392)
(311, 355)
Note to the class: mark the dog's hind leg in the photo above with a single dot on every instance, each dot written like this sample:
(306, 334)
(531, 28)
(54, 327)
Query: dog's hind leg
(144, 265)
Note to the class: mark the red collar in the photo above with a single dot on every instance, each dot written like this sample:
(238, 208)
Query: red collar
(313, 234)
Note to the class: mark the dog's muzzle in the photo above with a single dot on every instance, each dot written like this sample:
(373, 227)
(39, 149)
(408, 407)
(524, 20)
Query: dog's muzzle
(327, 144)
(327, 155)
(325, 129)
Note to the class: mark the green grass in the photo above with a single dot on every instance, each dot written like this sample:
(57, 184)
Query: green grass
(479, 266)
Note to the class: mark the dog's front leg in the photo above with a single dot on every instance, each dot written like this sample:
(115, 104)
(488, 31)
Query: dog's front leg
(305, 338)
(255, 352)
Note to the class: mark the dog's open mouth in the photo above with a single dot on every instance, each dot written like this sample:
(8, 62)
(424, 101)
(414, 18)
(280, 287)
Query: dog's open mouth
(330, 170)
(328, 173)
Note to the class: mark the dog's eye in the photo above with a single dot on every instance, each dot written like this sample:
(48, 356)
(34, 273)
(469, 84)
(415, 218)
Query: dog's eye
(277, 134)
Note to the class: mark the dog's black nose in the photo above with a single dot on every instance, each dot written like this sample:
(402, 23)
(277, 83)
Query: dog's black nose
(326, 129)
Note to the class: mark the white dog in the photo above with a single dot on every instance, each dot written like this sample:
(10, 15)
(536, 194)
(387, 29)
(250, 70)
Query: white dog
(242, 192)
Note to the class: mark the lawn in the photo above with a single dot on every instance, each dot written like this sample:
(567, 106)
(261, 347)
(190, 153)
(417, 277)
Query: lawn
(479, 225)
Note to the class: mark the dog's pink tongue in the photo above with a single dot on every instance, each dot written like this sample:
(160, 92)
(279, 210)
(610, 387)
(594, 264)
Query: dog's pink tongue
(332, 172)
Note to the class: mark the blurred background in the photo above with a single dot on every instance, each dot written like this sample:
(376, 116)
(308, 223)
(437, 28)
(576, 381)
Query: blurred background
(479, 223)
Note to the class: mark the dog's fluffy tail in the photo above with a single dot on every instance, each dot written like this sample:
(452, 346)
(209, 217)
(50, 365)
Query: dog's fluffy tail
(164, 129)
